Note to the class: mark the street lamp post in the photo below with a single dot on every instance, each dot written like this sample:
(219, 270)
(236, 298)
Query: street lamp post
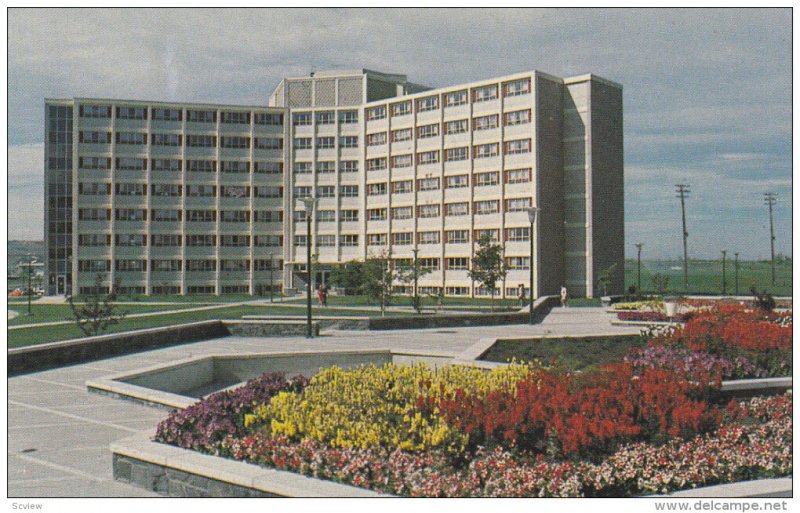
(736, 272)
(724, 253)
(639, 267)
(31, 261)
(532, 218)
(271, 282)
(309, 203)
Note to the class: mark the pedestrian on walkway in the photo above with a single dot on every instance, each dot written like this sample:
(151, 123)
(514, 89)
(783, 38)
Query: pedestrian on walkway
(319, 294)
(521, 294)
(324, 292)
(564, 296)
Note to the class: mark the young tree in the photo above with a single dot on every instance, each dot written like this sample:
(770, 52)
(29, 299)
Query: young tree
(98, 312)
(377, 277)
(660, 283)
(604, 278)
(349, 276)
(487, 265)
(410, 275)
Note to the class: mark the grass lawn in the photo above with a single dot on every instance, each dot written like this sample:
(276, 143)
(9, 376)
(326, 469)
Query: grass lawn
(50, 313)
(428, 302)
(579, 353)
(42, 334)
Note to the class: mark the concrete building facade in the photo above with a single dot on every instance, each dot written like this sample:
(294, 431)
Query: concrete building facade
(187, 198)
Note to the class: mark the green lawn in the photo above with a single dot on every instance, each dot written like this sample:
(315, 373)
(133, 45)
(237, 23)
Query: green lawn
(50, 313)
(580, 353)
(428, 302)
(42, 334)
(705, 276)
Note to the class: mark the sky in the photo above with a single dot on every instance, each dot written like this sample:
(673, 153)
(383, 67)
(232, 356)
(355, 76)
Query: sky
(707, 92)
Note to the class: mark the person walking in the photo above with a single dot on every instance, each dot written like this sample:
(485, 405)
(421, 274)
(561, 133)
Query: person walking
(521, 294)
(319, 295)
(324, 294)
(564, 296)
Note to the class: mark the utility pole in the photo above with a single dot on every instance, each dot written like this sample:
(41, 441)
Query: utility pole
(736, 272)
(639, 267)
(271, 283)
(769, 199)
(683, 191)
(31, 261)
(724, 253)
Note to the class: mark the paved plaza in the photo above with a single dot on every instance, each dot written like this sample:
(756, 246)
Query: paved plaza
(58, 433)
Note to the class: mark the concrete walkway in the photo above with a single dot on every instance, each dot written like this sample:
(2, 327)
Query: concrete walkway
(58, 433)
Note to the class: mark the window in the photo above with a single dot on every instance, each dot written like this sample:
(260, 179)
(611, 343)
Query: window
(401, 239)
(484, 179)
(456, 237)
(399, 161)
(325, 216)
(457, 263)
(485, 93)
(130, 240)
(376, 139)
(348, 191)
(517, 204)
(165, 190)
(348, 141)
(326, 143)
(456, 209)
(301, 118)
(376, 214)
(428, 211)
(402, 213)
(403, 134)
(235, 142)
(347, 117)
(234, 166)
(456, 98)
(426, 131)
(454, 154)
(348, 240)
(95, 137)
(402, 187)
(268, 118)
(485, 150)
(376, 189)
(268, 216)
(326, 191)
(201, 166)
(165, 215)
(234, 265)
(519, 117)
(326, 166)
(348, 216)
(428, 157)
(302, 168)
(235, 241)
(427, 184)
(201, 191)
(94, 265)
(348, 166)
(518, 146)
(302, 143)
(94, 214)
(235, 118)
(377, 239)
(130, 214)
(518, 175)
(162, 240)
(327, 117)
(268, 240)
(492, 235)
(268, 191)
(94, 162)
(202, 266)
(201, 116)
(165, 165)
(268, 143)
(129, 164)
(457, 181)
(131, 138)
(201, 141)
(455, 127)
(200, 240)
(484, 122)
(302, 191)
(427, 103)
(204, 216)
(94, 239)
(517, 87)
(518, 234)
(234, 216)
(198, 289)
(456, 291)
(376, 164)
(374, 113)
(95, 111)
(266, 265)
(300, 240)
(268, 168)
(131, 112)
(326, 240)
(234, 191)
(168, 114)
(401, 108)
(486, 207)
(431, 264)
(518, 263)
(94, 189)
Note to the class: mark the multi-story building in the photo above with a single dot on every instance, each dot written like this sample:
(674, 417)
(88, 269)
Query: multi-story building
(190, 198)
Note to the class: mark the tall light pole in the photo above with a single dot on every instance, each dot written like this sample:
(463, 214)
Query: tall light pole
(532, 211)
(683, 190)
(31, 261)
(736, 272)
(639, 267)
(724, 253)
(769, 199)
(271, 282)
(309, 203)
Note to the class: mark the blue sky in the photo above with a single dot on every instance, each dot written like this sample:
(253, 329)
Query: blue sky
(707, 93)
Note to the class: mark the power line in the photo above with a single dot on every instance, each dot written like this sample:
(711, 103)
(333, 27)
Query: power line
(683, 192)
(769, 199)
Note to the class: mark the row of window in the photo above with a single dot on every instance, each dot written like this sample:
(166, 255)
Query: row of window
(326, 143)
(328, 216)
(136, 214)
(192, 115)
(479, 151)
(521, 234)
(192, 140)
(176, 165)
(452, 99)
(171, 240)
(345, 240)
(327, 117)
(170, 265)
(326, 166)
(512, 176)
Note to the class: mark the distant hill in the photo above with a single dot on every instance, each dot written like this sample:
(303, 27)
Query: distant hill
(20, 249)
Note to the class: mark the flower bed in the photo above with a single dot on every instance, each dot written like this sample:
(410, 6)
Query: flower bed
(650, 316)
